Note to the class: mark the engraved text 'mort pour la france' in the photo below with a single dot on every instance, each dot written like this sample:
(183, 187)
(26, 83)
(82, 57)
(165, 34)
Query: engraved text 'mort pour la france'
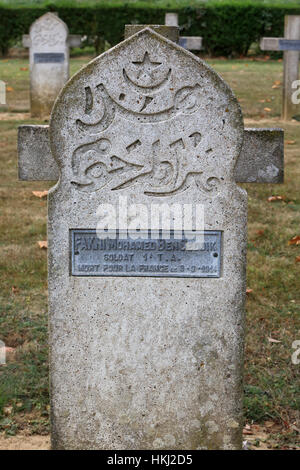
(161, 257)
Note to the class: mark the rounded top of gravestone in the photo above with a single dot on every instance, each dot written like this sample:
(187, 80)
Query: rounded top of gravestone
(149, 117)
(48, 30)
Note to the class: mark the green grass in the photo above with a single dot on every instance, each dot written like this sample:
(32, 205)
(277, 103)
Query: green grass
(273, 308)
(262, 75)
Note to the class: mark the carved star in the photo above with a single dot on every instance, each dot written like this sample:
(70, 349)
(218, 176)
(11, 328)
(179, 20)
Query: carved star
(146, 66)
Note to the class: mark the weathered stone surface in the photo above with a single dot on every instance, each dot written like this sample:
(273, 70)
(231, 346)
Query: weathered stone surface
(261, 159)
(146, 363)
(48, 43)
(171, 19)
(35, 161)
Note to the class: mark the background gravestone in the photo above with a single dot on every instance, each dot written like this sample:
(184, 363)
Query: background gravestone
(191, 43)
(290, 44)
(48, 43)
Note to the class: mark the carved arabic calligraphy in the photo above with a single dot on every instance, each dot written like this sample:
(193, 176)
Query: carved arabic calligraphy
(159, 164)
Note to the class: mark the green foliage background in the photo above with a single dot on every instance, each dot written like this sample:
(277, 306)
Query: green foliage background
(228, 27)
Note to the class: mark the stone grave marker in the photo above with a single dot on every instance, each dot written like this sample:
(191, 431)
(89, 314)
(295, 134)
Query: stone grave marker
(2, 353)
(191, 43)
(146, 334)
(290, 44)
(49, 42)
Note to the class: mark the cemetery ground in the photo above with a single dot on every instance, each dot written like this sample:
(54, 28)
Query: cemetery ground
(272, 382)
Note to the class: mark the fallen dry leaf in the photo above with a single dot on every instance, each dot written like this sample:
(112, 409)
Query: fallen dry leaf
(260, 232)
(276, 84)
(290, 142)
(14, 289)
(269, 424)
(295, 240)
(249, 291)
(276, 198)
(297, 259)
(272, 340)
(268, 110)
(40, 194)
(23, 69)
(261, 101)
(43, 244)
(247, 432)
(9, 88)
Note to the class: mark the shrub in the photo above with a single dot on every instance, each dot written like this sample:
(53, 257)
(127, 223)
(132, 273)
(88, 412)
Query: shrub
(227, 27)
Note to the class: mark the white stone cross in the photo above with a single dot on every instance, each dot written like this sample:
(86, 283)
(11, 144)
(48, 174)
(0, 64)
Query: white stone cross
(290, 44)
(146, 333)
(191, 43)
(49, 43)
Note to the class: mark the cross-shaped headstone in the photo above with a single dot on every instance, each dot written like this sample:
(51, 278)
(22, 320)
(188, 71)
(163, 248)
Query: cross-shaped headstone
(191, 43)
(290, 44)
(49, 42)
(146, 327)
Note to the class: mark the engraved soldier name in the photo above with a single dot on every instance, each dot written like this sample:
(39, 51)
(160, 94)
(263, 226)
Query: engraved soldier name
(145, 256)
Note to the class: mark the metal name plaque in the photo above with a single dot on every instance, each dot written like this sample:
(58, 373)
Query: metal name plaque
(289, 45)
(198, 254)
(48, 57)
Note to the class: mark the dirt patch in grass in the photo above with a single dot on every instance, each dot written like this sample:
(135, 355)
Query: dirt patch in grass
(22, 442)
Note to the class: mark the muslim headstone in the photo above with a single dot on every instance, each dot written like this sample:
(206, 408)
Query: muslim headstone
(146, 334)
(49, 42)
(192, 43)
(290, 44)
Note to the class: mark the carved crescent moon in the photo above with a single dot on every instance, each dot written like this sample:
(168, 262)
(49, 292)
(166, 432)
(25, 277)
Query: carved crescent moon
(147, 89)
